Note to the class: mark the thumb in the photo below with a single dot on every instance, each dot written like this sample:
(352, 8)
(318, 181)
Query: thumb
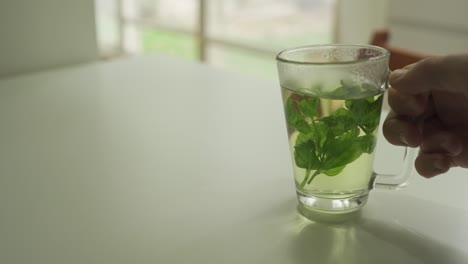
(446, 73)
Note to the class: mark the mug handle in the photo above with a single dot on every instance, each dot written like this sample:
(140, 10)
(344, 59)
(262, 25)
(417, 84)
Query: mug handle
(400, 180)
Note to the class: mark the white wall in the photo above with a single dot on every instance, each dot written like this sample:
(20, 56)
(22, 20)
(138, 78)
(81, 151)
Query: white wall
(358, 19)
(429, 26)
(40, 34)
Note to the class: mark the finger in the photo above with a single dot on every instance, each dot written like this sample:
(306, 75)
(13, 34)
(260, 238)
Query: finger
(438, 140)
(448, 73)
(409, 66)
(406, 104)
(431, 164)
(400, 131)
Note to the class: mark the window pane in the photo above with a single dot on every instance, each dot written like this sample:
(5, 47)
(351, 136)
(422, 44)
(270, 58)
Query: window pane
(241, 60)
(271, 24)
(107, 27)
(150, 40)
(180, 14)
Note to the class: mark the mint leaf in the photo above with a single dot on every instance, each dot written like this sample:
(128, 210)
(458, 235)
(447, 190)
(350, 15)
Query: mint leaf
(333, 172)
(349, 87)
(302, 126)
(342, 150)
(357, 107)
(340, 92)
(342, 153)
(349, 84)
(372, 118)
(367, 86)
(308, 107)
(367, 143)
(327, 145)
(365, 112)
(320, 133)
(339, 122)
(301, 138)
(292, 115)
(305, 156)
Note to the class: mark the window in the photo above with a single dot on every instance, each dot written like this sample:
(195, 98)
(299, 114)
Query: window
(239, 35)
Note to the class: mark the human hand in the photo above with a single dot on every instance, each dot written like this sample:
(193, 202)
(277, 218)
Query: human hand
(429, 102)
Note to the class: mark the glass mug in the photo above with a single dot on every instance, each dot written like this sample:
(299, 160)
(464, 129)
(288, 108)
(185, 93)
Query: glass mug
(332, 98)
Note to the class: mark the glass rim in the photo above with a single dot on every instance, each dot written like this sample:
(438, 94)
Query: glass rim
(280, 57)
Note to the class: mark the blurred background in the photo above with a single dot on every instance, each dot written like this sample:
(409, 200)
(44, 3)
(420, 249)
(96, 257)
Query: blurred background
(236, 35)
(240, 35)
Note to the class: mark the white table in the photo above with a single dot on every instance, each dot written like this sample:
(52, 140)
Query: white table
(158, 160)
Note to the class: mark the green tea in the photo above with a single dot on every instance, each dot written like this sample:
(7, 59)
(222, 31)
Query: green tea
(332, 139)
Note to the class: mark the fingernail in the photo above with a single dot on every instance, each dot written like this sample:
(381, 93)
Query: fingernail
(397, 75)
(404, 140)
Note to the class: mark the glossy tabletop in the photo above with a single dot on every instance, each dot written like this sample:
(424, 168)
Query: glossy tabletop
(160, 160)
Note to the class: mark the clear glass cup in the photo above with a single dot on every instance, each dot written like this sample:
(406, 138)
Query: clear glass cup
(332, 98)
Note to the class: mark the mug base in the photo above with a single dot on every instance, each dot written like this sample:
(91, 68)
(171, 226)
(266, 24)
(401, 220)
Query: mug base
(325, 205)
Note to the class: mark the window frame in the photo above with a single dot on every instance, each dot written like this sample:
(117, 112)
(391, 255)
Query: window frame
(200, 34)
